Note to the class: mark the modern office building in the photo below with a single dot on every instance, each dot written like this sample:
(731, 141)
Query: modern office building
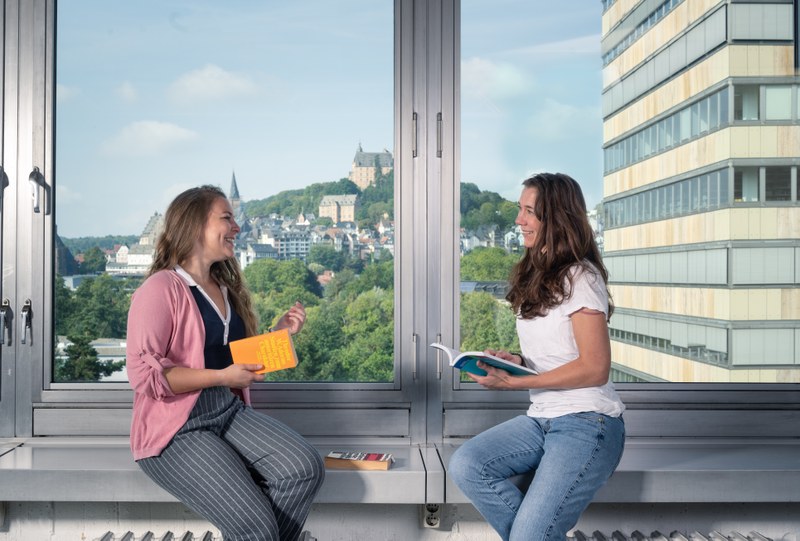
(701, 151)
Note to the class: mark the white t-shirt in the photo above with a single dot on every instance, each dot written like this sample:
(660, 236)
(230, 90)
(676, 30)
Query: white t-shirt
(548, 342)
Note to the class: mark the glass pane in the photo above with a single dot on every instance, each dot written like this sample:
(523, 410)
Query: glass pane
(745, 102)
(778, 102)
(745, 184)
(778, 184)
(529, 102)
(154, 97)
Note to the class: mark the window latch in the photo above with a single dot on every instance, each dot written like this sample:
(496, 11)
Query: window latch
(26, 316)
(414, 338)
(439, 357)
(35, 180)
(5, 322)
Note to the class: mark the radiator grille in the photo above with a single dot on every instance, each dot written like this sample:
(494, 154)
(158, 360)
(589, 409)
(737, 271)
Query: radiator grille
(169, 536)
(673, 536)
(150, 536)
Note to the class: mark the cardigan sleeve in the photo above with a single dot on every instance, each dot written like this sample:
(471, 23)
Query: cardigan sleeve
(151, 328)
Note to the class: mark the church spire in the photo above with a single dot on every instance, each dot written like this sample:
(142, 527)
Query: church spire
(234, 193)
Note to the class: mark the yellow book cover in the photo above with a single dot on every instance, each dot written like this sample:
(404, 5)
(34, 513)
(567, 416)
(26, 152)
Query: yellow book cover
(275, 350)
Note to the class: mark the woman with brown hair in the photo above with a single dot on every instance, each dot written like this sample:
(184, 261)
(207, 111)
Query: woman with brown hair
(573, 434)
(193, 430)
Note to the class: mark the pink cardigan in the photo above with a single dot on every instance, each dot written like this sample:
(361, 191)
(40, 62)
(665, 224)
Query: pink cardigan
(165, 329)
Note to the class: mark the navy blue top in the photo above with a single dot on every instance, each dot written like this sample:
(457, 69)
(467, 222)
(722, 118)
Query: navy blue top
(217, 351)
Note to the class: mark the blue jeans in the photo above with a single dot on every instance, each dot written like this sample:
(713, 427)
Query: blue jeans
(572, 455)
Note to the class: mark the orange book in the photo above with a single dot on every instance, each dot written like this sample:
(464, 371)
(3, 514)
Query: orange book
(275, 350)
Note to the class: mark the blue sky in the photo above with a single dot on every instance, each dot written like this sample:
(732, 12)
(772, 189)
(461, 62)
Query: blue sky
(156, 96)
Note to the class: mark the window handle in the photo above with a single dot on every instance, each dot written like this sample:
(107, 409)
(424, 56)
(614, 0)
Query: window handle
(414, 338)
(438, 136)
(35, 179)
(26, 319)
(5, 322)
(414, 135)
(439, 357)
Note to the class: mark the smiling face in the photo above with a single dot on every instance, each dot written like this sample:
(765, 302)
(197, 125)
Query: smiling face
(526, 218)
(220, 230)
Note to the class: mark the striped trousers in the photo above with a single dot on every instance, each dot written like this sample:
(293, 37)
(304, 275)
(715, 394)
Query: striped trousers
(248, 474)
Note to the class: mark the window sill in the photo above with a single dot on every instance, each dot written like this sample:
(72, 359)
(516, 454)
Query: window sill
(652, 470)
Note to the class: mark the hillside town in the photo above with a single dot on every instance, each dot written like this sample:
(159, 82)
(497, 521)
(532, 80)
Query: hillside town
(332, 223)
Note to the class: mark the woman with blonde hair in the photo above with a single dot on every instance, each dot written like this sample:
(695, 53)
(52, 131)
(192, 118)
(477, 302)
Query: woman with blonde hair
(573, 434)
(193, 430)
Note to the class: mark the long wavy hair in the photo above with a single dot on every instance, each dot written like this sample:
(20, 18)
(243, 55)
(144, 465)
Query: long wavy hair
(184, 221)
(565, 239)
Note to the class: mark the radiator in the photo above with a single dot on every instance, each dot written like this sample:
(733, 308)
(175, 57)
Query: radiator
(169, 536)
(674, 536)
(150, 536)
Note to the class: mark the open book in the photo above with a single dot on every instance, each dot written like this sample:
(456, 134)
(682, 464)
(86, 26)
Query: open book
(468, 362)
(275, 350)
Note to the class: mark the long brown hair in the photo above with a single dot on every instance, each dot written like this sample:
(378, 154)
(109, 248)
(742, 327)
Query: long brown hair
(184, 221)
(565, 239)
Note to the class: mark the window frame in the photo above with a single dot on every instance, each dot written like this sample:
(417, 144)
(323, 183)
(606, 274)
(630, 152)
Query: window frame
(107, 403)
(427, 40)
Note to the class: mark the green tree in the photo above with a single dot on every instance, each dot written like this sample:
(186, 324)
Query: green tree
(318, 344)
(94, 261)
(484, 208)
(82, 364)
(100, 308)
(375, 275)
(381, 194)
(293, 202)
(327, 256)
(487, 264)
(369, 331)
(80, 245)
(270, 275)
(339, 283)
(484, 325)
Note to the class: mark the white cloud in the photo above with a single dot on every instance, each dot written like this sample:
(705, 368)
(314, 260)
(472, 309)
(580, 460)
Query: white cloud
(210, 83)
(66, 195)
(127, 92)
(556, 121)
(485, 79)
(65, 93)
(583, 45)
(148, 138)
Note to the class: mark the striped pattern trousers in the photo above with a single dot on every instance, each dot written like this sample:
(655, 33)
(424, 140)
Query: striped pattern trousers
(248, 474)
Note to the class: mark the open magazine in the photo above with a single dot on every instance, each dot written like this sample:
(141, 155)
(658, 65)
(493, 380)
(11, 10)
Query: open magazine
(468, 362)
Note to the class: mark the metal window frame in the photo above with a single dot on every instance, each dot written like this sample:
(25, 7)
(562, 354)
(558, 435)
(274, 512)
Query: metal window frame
(427, 64)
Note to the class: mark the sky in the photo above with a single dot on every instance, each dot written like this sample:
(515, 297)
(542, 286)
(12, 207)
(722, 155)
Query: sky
(157, 96)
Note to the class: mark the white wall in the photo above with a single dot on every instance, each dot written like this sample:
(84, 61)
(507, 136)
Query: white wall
(34, 521)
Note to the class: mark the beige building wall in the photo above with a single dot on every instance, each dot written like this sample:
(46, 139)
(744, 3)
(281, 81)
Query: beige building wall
(671, 368)
(752, 143)
(731, 61)
(747, 223)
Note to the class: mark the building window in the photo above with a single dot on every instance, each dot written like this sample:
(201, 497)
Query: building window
(745, 102)
(778, 184)
(778, 102)
(689, 123)
(745, 184)
(289, 253)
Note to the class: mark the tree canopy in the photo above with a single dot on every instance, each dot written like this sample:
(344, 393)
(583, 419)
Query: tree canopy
(487, 264)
